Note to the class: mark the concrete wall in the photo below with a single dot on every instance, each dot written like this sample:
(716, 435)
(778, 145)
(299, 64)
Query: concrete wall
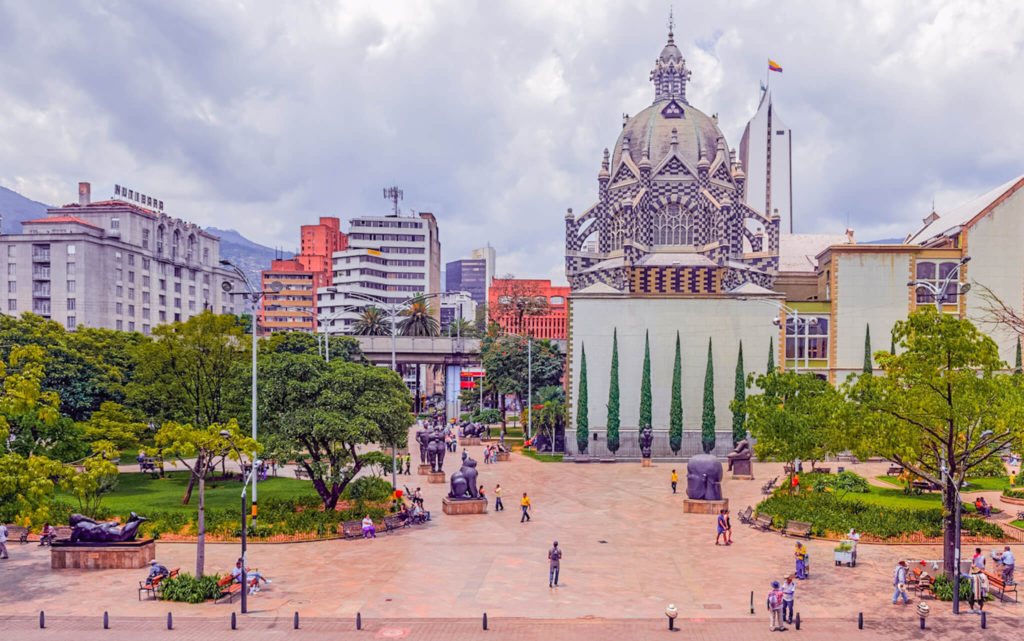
(871, 287)
(726, 320)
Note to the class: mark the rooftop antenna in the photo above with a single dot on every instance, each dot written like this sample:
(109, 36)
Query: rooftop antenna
(671, 21)
(394, 194)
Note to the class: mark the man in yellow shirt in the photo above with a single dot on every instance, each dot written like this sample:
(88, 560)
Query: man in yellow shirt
(675, 481)
(525, 503)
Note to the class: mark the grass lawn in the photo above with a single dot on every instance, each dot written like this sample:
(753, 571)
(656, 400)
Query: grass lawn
(543, 458)
(139, 493)
(894, 497)
(973, 485)
(1018, 523)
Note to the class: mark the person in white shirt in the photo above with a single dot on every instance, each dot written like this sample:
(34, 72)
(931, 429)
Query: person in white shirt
(369, 531)
(3, 541)
(253, 578)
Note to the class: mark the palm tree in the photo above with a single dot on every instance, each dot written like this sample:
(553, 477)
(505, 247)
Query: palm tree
(417, 319)
(464, 328)
(372, 322)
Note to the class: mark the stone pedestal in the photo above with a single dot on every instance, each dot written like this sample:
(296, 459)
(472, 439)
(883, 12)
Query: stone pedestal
(742, 467)
(435, 477)
(503, 456)
(466, 441)
(645, 462)
(743, 477)
(693, 506)
(464, 506)
(423, 469)
(132, 555)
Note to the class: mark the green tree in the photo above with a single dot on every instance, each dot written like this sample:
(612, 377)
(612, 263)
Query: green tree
(771, 358)
(645, 387)
(344, 348)
(373, 321)
(29, 414)
(112, 423)
(675, 411)
(707, 427)
(739, 413)
(504, 357)
(322, 414)
(464, 328)
(867, 350)
(942, 407)
(418, 319)
(200, 449)
(550, 417)
(97, 477)
(1017, 369)
(582, 417)
(613, 397)
(26, 487)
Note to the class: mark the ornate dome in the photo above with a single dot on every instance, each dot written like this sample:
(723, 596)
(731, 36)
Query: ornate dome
(651, 131)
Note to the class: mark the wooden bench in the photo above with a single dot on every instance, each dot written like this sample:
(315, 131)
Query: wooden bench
(18, 531)
(925, 585)
(152, 587)
(352, 529)
(301, 473)
(924, 486)
(392, 522)
(894, 470)
(763, 521)
(228, 588)
(797, 528)
(769, 486)
(747, 515)
(821, 470)
(995, 582)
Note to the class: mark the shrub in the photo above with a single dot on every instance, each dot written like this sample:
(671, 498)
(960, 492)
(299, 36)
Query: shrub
(188, 589)
(487, 417)
(840, 483)
(368, 488)
(943, 587)
(1014, 494)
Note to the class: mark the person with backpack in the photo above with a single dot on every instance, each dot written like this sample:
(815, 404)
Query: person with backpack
(775, 608)
(899, 582)
(554, 561)
(788, 597)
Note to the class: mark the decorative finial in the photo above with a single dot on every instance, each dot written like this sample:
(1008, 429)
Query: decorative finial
(671, 24)
(604, 163)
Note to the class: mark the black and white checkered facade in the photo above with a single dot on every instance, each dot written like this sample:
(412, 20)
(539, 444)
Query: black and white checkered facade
(670, 193)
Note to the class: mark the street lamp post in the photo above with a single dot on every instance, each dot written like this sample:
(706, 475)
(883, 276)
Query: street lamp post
(254, 297)
(939, 292)
(798, 322)
(245, 485)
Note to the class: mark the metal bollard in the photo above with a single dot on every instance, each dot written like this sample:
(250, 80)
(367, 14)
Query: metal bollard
(860, 620)
(234, 623)
(984, 623)
(751, 601)
(485, 620)
(296, 621)
(797, 620)
(42, 619)
(106, 621)
(359, 621)
(170, 622)
(922, 622)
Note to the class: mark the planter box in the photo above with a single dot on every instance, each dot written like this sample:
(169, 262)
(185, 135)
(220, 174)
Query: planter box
(102, 556)
(435, 477)
(694, 506)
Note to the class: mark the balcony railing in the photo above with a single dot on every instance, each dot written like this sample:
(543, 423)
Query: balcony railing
(41, 256)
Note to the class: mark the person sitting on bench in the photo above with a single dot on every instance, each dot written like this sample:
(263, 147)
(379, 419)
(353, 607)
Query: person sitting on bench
(419, 515)
(253, 578)
(156, 570)
(48, 534)
(982, 507)
(369, 531)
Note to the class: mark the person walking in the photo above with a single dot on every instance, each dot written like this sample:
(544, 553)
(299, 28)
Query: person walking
(979, 589)
(675, 481)
(554, 562)
(721, 528)
(525, 504)
(1007, 561)
(788, 595)
(408, 464)
(801, 560)
(498, 506)
(899, 582)
(3, 541)
(775, 608)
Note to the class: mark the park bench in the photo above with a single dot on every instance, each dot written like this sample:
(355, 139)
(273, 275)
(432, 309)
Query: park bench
(392, 522)
(228, 588)
(821, 470)
(925, 585)
(152, 587)
(788, 468)
(924, 486)
(894, 470)
(769, 486)
(797, 528)
(747, 515)
(352, 529)
(301, 473)
(995, 582)
(18, 531)
(763, 521)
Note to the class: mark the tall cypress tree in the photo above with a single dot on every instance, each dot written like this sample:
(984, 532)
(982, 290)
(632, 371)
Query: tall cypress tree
(675, 411)
(892, 343)
(1018, 371)
(707, 430)
(645, 387)
(739, 412)
(613, 397)
(771, 357)
(582, 418)
(867, 350)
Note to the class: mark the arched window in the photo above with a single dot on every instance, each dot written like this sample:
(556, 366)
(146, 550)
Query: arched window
(673, 226)
(160, 240)
(616, 232)
(191, 247)
(175, 245)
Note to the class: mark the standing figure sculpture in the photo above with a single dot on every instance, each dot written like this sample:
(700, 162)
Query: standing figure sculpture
(435, 450)
(89, 531)
(704, 478)
(422, 436)
(463, 482)
(646, 438)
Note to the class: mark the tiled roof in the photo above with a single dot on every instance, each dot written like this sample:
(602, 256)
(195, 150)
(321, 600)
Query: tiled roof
(963, 214)
(797, 251)
(61, 219)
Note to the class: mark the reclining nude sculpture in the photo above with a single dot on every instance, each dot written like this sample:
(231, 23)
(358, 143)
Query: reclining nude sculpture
(739, 458)
(87, 530)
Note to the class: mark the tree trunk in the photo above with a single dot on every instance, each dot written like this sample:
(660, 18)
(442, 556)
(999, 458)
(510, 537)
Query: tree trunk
(949, 542)
(188, 490)
(201, 522)
(501, 402)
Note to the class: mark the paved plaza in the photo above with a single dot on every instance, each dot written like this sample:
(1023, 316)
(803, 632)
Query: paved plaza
(628, 552)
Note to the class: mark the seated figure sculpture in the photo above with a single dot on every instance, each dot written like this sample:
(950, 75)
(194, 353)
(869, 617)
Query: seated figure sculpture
(87, 530)
(463, 482)
(739, 459)
(704, 478)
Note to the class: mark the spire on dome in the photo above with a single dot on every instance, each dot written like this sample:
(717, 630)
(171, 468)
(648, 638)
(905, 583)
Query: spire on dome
(670, 73)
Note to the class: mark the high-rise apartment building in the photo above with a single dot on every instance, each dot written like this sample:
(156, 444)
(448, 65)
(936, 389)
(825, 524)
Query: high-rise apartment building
(390, 259)
(115, 264)
(293, 307)
(456, 305)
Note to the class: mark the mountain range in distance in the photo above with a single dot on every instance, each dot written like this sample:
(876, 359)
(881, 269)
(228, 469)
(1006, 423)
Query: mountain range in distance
(250, 257)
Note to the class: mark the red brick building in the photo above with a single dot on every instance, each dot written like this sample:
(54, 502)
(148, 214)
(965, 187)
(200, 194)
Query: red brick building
(293, 309)
(529, 306)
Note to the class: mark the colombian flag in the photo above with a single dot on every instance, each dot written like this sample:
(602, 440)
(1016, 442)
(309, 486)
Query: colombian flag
(774, 66)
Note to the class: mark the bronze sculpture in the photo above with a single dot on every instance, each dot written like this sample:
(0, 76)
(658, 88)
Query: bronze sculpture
(646, 438)
(463, 482)
(704, 478)
(421, 437)
(739, 459)
(87, 530)
(435, 450)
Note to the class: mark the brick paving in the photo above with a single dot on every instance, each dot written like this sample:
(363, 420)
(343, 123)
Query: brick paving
(628, 552)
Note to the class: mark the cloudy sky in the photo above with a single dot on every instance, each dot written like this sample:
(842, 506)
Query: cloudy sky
(261, 116)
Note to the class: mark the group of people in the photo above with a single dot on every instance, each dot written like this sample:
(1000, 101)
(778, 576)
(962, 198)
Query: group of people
(780, 602)
(982, 507)
(977, 577)
(491, 453)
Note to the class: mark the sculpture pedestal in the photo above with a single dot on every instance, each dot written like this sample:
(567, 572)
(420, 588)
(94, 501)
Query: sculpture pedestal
(743, 477)
(742, 468)
(435, 477)
(645, 462)
(694, 506)
(463, 506)
(423, 469)
(466, 441)
(132, 555)
(503, 456)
